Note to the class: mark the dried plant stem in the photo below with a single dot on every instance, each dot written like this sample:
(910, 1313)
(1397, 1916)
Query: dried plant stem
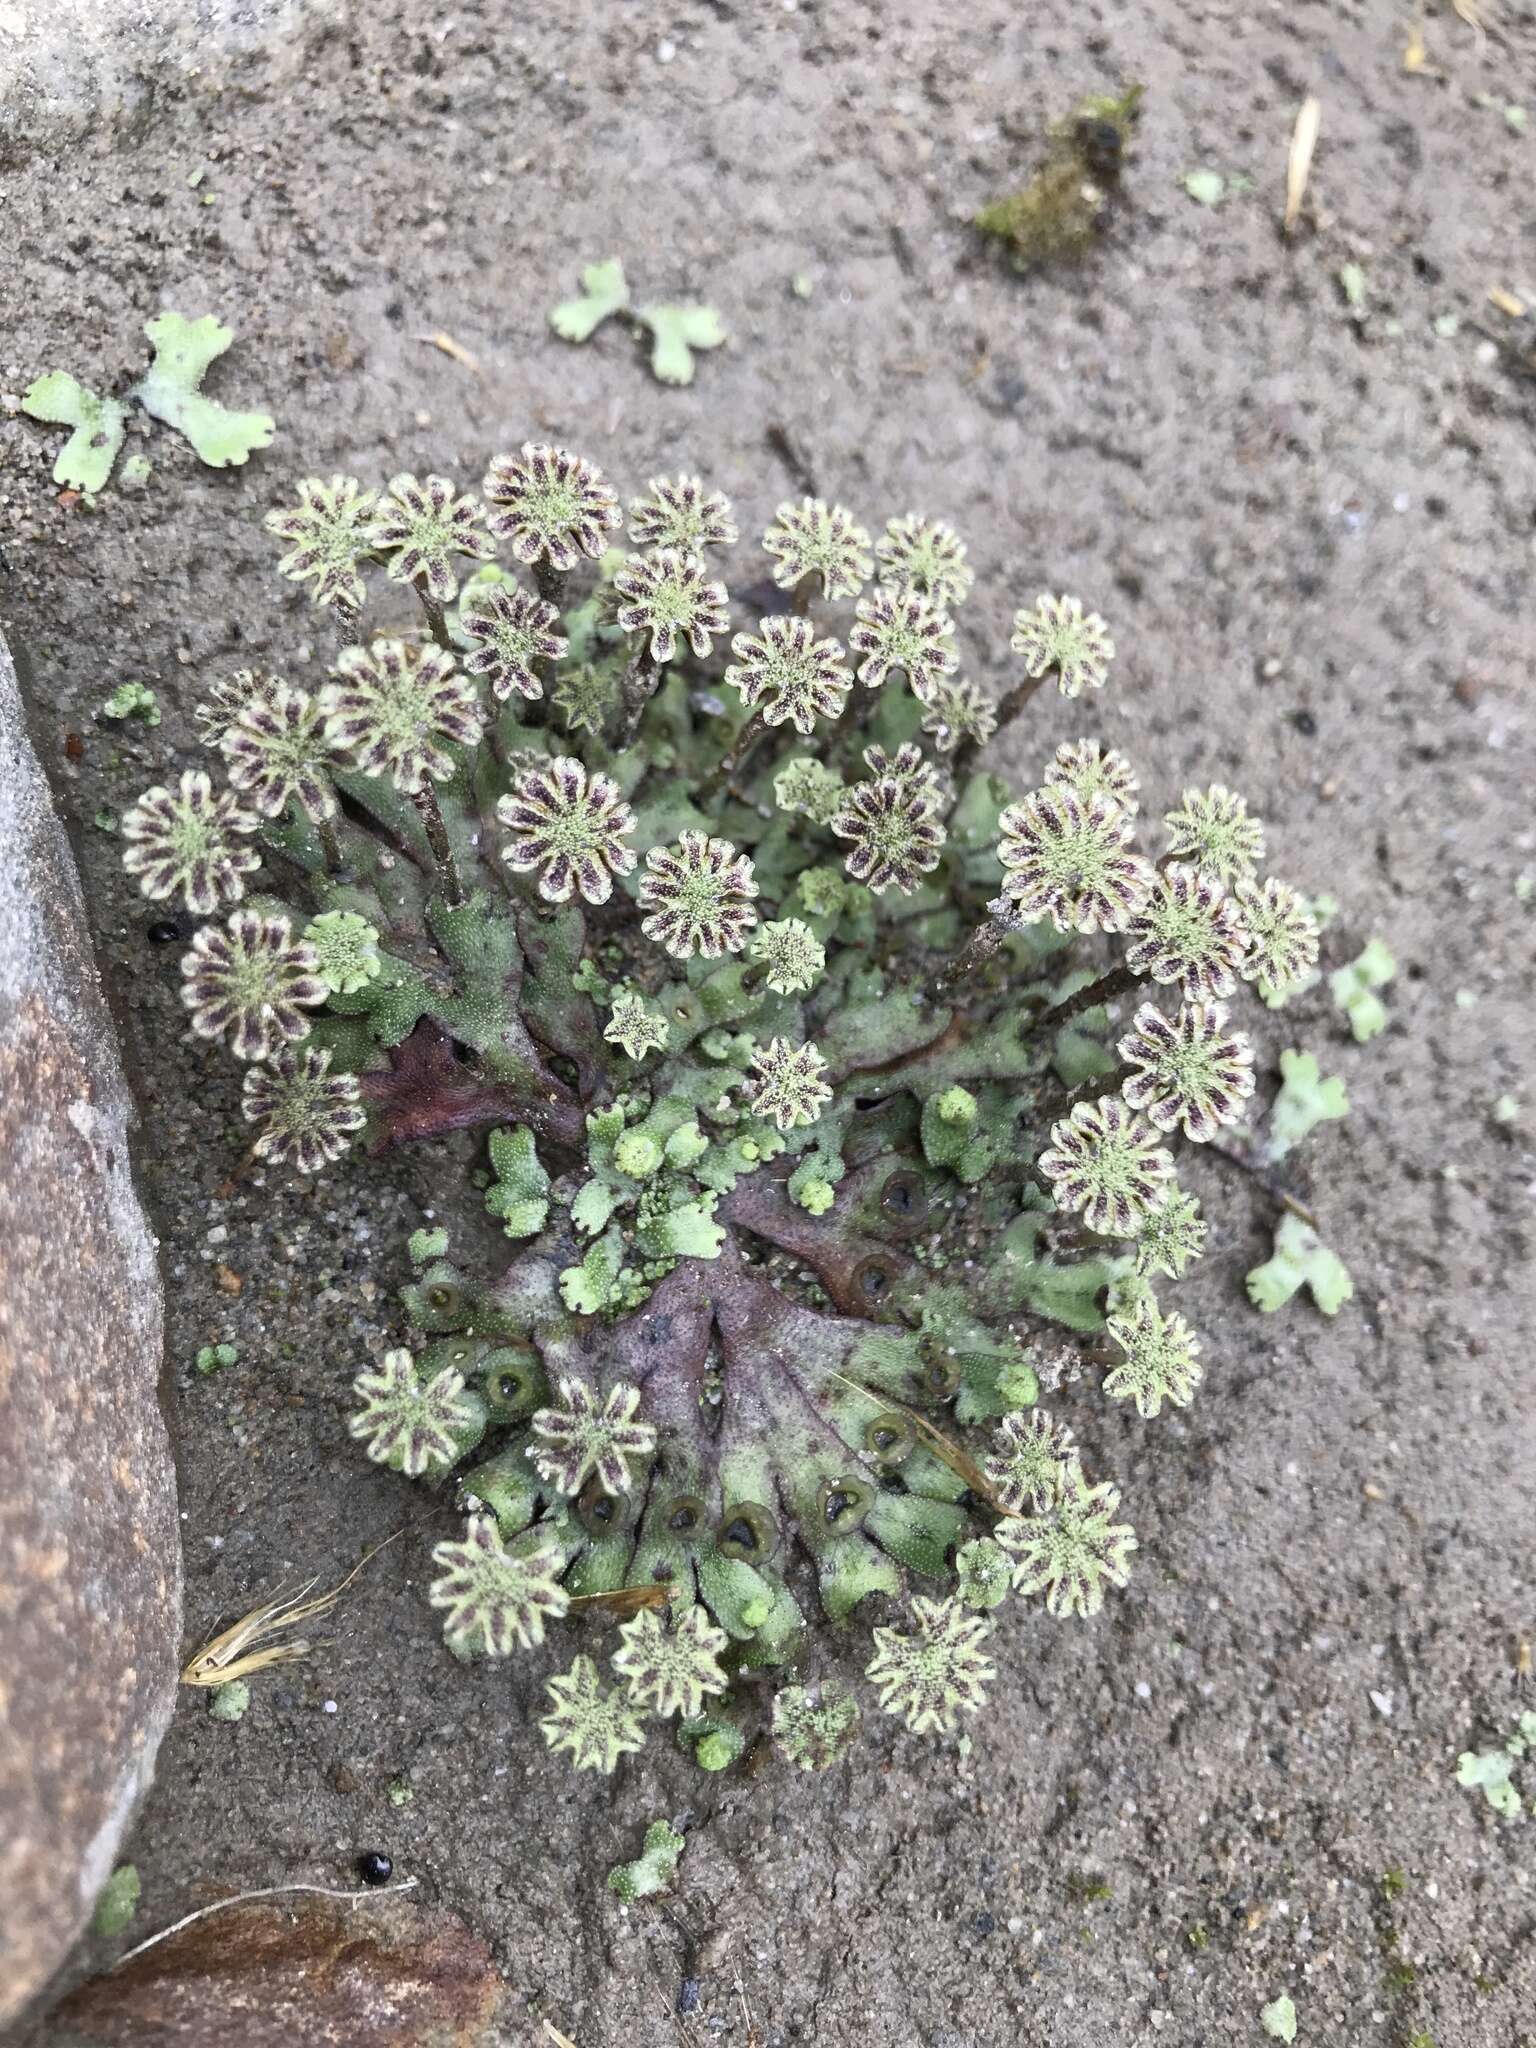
(435, 618)
(1117, 982)
(637, 686)
(1008, 709)
(1065, 1100)
(330, 845)
(1275, 1192)
(982, 946)
(425, 800)
(550, 581)
(271, 1891)
(746, 739)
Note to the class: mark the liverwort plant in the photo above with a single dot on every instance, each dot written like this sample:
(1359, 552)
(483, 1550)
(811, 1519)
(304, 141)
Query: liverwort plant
(816, 1116)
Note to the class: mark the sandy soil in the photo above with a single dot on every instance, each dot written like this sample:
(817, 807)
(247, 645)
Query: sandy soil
(1314, 536)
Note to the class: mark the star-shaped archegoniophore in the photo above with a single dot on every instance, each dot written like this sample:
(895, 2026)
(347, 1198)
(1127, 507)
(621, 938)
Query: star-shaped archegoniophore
(698, 897)
(894, 832)
(346, 950)
(815, 539)
(279, 751)
(412, 1424)
(907, 766)
(670, 594)
(1104, 1162)
(420, 524)
(395, 709)
(814, 1724)
(1090, 769)
(190, 839)
(1073, 1550)
(1190, 931)
(586, 696)
(1213, 831)
(509, 631)
(810, 789)
(789, 1087)
(551, 505)
(250, 981)
(1070, 860)
(1171, 1237)
(983, 1574)
(790, 954)
(578, 1441)
(681, 513)
(956, 712)
(635, 1027)
(571, 827)
(227, 698)
(671, 1666)
(307, 1114)
(594, 1723)
(496, 1597)
(1282, 934)
(1189, 1069)
(937, 1669)
(1056, 633)
(1030, 1458)
(787, 674)
(903, 630)
(1160, 1362)
(925, 555)
(330, 532)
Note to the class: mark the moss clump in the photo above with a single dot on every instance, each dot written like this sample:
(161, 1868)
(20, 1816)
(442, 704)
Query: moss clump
(1063, 210)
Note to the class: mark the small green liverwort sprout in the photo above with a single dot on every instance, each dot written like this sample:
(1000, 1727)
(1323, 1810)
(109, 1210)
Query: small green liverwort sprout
(834, 1094)
(653, 1869)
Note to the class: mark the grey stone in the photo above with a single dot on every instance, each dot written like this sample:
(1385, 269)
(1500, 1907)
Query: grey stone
(66, 65)
(90, 1561)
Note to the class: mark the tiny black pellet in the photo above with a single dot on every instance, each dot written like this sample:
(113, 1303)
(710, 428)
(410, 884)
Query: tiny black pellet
(374, 1867)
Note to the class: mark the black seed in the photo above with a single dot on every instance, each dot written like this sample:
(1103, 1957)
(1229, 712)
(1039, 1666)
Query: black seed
(689, 1993)
(165, 931)
(374, 1867)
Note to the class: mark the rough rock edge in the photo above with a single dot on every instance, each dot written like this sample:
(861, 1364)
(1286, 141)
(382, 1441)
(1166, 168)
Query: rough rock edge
(47, 972)
(71, 66)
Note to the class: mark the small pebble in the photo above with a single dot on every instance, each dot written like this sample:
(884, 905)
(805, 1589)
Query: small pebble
(689, 1993)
